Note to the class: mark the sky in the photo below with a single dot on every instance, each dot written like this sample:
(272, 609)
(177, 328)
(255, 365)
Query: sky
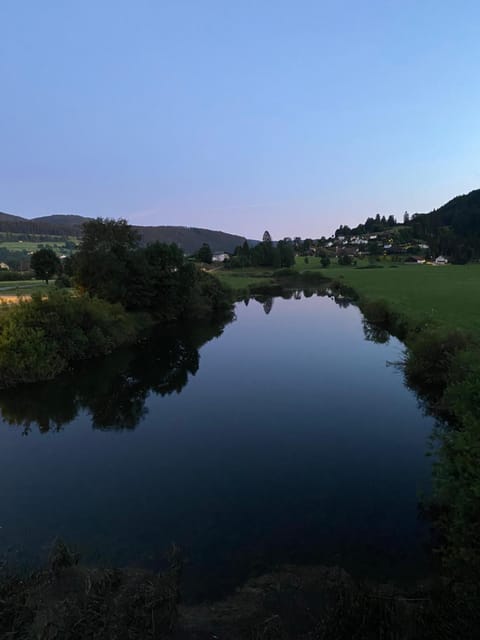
(293, 116)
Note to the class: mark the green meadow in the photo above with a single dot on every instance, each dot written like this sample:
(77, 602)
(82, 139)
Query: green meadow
(31, 246)
(239, 280)
(23, 287)
(448, 295)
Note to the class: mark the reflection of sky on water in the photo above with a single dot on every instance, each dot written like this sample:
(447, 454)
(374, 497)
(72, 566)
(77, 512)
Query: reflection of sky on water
(292, 441)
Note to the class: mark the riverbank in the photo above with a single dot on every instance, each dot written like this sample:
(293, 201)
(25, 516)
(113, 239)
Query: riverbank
(49, 333)
(434, 311)
(70, 601)
(442, 364)
(446, 295)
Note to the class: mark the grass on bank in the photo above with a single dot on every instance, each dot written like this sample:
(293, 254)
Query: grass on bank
(24, 287)
(442, 364)
(239, 280)
(447, 295)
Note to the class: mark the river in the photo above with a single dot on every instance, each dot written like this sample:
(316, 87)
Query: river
(285, 436)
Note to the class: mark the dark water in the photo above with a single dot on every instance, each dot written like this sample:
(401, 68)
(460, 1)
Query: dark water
(287, 438)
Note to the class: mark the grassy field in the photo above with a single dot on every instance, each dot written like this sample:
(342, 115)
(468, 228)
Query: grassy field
(240, 279)
(23, 287)
(449, 295)
(32, 246)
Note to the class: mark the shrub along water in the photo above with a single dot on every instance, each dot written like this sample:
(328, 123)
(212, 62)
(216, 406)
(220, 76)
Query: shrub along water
(443, 366)
(114, 276)
(41, 338)
(445, 369)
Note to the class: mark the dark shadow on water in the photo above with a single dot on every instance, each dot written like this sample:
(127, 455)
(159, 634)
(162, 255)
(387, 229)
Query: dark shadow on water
(374, 332)
(113, 390)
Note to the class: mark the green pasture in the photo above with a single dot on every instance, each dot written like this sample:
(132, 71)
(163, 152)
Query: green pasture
(449, 295)
(23, 287)
(31, 246)
(241, 279)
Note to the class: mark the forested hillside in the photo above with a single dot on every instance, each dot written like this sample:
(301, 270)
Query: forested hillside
(454, 228)
(55, 227)
(190, 239)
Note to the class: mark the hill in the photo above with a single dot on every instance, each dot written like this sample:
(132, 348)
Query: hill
(44, 227)
(454, 228)
(190, 239)
(49, 228)
(63, 220)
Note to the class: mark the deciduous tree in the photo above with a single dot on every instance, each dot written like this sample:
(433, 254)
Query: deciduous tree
(45, 263)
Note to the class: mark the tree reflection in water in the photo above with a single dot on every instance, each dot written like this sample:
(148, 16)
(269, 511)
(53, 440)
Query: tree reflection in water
(112, 390)
(374, 332)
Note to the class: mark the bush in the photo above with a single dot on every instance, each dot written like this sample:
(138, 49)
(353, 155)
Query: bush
(207, 298)
(312, 277)
(377, 312)
(41, 338)
(63, 282)
(429, 361)
(324, 261)
(286, 272)
(345, 260)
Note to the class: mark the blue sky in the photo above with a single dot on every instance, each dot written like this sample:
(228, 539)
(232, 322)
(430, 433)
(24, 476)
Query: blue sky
(292, 116)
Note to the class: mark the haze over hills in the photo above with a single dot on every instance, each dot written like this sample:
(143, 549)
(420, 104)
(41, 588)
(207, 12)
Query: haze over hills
(190, 239)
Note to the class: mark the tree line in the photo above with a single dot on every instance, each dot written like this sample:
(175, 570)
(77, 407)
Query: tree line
(113, 276)
(264, 254)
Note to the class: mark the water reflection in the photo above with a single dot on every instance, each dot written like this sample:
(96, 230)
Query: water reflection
(112, 390)
(374, 332)
(262, 461)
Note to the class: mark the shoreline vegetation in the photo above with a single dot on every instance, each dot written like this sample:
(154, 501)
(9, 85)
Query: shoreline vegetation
(441, 364)
(121, 289)
(70, 601)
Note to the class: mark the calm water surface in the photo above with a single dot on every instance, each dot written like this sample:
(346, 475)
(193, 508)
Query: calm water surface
(287, 438)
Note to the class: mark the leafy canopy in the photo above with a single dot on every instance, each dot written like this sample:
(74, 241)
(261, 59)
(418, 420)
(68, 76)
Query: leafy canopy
(45, 263)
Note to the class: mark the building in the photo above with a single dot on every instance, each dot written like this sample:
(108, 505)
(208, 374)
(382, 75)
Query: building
(220, 257)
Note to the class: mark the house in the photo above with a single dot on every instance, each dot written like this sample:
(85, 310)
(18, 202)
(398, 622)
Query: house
(441, 260)
(220, 257)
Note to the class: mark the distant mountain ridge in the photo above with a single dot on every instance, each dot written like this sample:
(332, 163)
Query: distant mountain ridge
(190, 239)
